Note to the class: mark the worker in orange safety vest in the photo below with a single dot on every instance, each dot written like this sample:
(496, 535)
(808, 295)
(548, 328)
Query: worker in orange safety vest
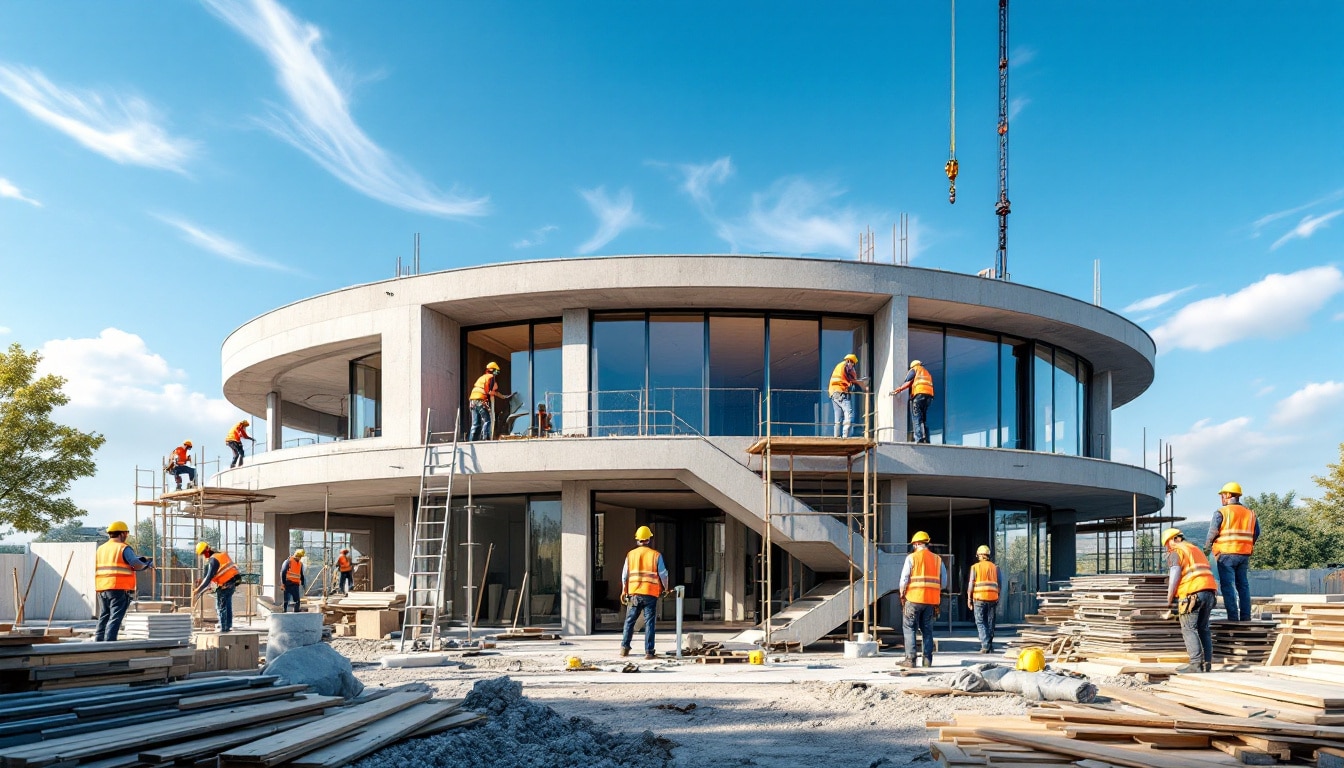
(844, 378)
(1232, 536)
(643, 580)
(114, 579)
(982, 596)
(222, 573)
(179, 464)
(294, 580)
(923, 579)
(1190, 580)
(346, 567)
(483, 394)
(920, 383)
(235, 440)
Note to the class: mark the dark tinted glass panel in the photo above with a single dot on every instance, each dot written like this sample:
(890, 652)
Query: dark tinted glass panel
(617, 356)
(366, 396)
(1043, 412)
(547, 376)
(926, 346)
(842, 336)
(736, 374)
(1014, 386)
(795, 392)
(971, 374)
(1066, 432)
(1084, 383)
(677, 373)
(506, 345)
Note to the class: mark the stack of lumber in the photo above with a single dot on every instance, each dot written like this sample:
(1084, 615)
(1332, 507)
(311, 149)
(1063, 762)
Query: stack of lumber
(1123, 614)
(156, 626)
(227, 721)
(53, 666)
(1309, 694)
(1311, 629)
(526, 633)
(1043, 627)
(1243, 642)
(368, 615)
(1145, 730)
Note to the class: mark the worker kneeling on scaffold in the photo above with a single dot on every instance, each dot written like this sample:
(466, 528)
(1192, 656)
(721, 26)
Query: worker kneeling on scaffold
(643, 579)
(922, 580)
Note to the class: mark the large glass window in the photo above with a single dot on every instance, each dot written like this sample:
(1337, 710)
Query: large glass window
(528, 355)
(736, 373)
(926, 346)
(618, 367)
(795, 390)
(366, 396)
(548, 380)
(677, 373)
(543, 559)
(1066, 422)
(1043, 387)
(971, 372)
(842, 336)
(1014, 383)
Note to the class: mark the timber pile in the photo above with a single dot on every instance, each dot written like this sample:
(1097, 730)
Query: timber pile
(1122, 614)
(1311, 629)
(53, 666)
(1043, 627)
(1224, 725)
(1243, 642)
(224, 721)
(156, 626)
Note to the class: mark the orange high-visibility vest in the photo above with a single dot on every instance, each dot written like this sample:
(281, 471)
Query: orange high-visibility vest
(294, 573)
(1237, 536)
(926, 584)
(923, 382)
(642, 572)
(228, 570)
(236, 434)
(986, 581)
(485, 386)
(343, 563)
(113, 572)
(1196, 576)
(181, 457)
(840, 379)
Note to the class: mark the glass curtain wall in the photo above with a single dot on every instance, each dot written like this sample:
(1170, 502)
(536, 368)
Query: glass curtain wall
(736, 373)
(521, 535)
(529, 358)
(1022, 550)
(926, 346)
(543, 514)
(366, 396)
(1014, 383)
(842, 336)
(971, 370)
(619, 363)
(677, 374)
(548, 380)
(795, 401)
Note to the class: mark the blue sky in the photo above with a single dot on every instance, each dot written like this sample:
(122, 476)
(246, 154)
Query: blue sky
(169, 170)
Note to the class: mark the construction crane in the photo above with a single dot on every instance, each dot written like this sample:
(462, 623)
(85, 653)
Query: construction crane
(1002, 207)
(951, 167)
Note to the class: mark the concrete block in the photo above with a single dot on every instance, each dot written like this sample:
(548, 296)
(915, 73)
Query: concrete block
(858, 650)
(291, 630)
(694, 641)
(375, 625)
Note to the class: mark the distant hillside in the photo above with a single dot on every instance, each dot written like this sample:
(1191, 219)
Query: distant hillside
(1195, 530)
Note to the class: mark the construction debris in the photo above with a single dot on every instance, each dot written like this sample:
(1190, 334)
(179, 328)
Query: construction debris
(318, 666)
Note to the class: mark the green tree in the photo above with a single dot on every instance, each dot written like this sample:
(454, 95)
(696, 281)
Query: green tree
(1289, 538)
(71, 531)
(146, 539)
(1327, 512)
(38, 457)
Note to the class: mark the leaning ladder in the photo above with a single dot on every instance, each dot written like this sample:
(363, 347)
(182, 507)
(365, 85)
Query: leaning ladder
(430, 538)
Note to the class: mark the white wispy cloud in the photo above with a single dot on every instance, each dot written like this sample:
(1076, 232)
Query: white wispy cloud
(319, 122)
(1310, 402)
(218, 244)
(1274, 307)
(7, 189)
(1268, 219)
(1022, 55)
(1153, 302)
(1015, 107)
(1201, 454)
(537, 237)
(796, 216)
(123, 128)
(697, 180)
(1306, 227)
(614, 216)
(4, 330)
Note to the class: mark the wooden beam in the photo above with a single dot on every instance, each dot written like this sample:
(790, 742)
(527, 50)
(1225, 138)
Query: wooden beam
(295, 742)
(1105, 752)
(378, 735)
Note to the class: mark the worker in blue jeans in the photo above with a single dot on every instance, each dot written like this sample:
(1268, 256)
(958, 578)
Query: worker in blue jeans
(1232, 536)
(643, 580)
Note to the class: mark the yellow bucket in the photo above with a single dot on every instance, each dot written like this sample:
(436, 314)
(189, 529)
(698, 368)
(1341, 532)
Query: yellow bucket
(756, 657)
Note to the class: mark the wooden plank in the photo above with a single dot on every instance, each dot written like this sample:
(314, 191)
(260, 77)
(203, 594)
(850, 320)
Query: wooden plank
(1148, 701)
(250, 695)
(1244, 754)
(290, 744)
(1084, 749)
(210, 746)
(376, 735)
(1323, 696)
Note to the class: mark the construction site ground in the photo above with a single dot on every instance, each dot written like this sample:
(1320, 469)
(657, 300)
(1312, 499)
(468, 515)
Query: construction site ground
(815, 708)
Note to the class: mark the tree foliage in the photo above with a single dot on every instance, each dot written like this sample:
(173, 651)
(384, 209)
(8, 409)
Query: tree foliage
(1327, 512)
(71, 531)
(1288, 536)
(38, 457)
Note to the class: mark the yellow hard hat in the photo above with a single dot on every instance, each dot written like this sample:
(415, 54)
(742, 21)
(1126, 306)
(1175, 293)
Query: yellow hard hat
(299, 553)
(1031, 659)
(573, 662)
(852, 358)
(643, 534)
(913, 363)
(187, 443)
(1170, 533)
(982, 550)
(492, 366)
(918, 537)
(245, 423)
(201, 547)
(118, 527)
(1232, 488)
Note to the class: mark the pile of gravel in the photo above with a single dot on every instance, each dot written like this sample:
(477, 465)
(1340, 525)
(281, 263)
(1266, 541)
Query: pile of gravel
(522, 733)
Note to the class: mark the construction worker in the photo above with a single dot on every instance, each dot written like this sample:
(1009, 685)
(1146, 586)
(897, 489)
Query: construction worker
(922, 582)
(223, 573)
(643, 579)
(346, 567)
(844, 378)
(1232, 536)
(114, 579)
(179, 464)
(1190, 580)
(982, 596)
(920, 383)
(483, 392)
(294, 580)
(235, 440)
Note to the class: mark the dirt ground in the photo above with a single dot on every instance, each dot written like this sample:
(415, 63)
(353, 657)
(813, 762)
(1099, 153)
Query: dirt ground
(814, 709)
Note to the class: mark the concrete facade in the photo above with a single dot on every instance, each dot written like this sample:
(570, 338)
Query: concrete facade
(291, 364)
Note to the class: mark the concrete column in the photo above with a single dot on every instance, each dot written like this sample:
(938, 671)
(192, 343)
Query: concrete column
(403, 415)
(894, 529)
(403, 516)
(889, 345)
(734, 580)
(440, 358)
(274, 421)
(574, 361)
(576, 546)
(1099, 414)
(270, 554)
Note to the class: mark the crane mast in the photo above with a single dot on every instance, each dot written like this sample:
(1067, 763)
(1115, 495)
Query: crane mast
(1002, 207)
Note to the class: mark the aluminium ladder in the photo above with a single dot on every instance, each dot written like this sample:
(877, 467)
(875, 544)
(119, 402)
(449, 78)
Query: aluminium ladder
(430, 538)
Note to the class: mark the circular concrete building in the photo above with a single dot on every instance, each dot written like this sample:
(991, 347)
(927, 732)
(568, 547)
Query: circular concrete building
(655, 375)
